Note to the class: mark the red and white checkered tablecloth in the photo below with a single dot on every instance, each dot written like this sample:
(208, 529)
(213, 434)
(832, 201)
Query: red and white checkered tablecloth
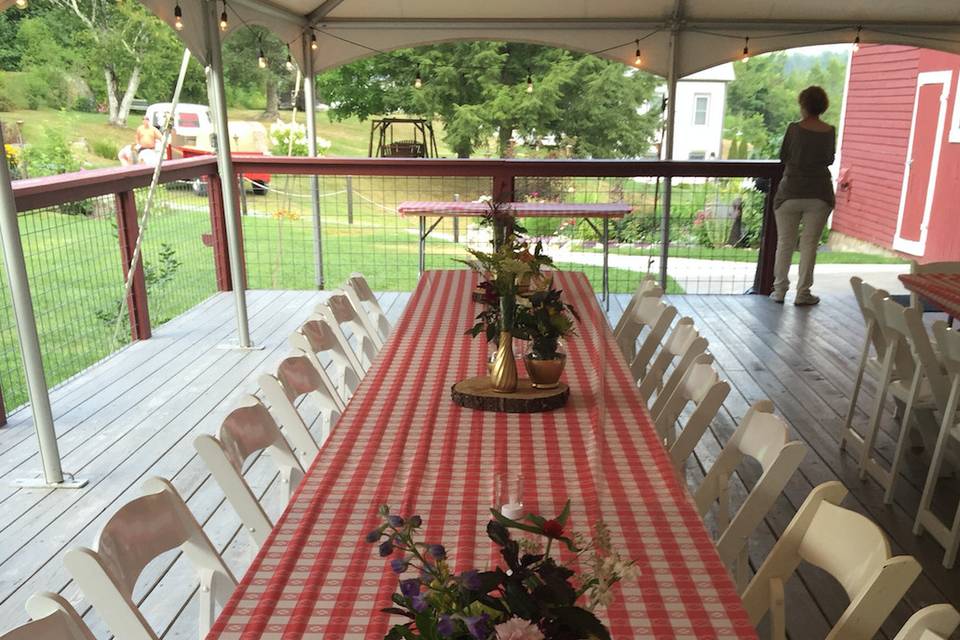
(941, 289)
(524, 209)
(402, 442)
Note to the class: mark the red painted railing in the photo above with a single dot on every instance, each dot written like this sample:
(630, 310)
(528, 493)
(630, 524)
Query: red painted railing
(120, 183)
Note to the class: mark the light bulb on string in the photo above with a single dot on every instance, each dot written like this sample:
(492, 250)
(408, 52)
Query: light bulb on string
(21, 4)
(529, 83)
(746, 50)
(856, 40)
(178, 17)
(289, 64)
(224, 24)
(638, 59)
(313, 41)
(418, 82)
(262, 60)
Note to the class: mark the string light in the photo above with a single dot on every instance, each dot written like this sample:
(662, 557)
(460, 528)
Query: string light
(21, 4)
(419, 81)
(224, 25)
(178, 18)
(746, 50)
(638, 60)
(856, 41)
(529, 83)
(289, 60)
(262, 60)
(313, 41)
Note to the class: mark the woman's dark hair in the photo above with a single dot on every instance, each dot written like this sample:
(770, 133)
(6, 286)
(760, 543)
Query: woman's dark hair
(814, 100)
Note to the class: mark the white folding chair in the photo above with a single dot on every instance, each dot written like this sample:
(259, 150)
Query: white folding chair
(872, 364)
(646, 287)
(701, 386)
(53, 619)
(138, 532)
(340, 312)
(948, 438)
(365, 299)
(911, 373)
(684, 343)
(648, 322)
(296, 376)
(765, 438)
(849, 547)
(936, 622)
(316, 336)
(246, 430)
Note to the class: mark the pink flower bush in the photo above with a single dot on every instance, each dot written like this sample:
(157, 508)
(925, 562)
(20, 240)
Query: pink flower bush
(518, 629)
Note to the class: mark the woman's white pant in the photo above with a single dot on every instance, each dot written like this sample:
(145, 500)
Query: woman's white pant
(812, 213)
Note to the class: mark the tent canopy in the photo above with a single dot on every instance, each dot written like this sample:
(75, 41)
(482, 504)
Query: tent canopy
(709, 32)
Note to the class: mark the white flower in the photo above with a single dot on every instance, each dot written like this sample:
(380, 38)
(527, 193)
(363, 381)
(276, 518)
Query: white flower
(323, 143)
(518, 629)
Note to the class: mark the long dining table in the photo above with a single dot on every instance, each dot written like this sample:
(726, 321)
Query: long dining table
(402, 442)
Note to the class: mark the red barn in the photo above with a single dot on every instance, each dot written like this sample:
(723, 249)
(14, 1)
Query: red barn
(899, 160)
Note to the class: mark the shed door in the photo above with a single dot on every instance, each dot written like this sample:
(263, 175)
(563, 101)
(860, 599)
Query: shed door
(923, 158)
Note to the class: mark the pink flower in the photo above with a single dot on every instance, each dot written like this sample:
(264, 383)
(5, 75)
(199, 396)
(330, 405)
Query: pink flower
(518, 629)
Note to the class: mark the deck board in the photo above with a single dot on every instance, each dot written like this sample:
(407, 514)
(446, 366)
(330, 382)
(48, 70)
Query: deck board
(136, 413)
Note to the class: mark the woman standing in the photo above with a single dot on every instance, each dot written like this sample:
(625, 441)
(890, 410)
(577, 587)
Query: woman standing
(805, 195)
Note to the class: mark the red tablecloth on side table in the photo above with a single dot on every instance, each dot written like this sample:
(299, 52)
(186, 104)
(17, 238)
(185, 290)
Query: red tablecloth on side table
(401, 441)
(941, 289)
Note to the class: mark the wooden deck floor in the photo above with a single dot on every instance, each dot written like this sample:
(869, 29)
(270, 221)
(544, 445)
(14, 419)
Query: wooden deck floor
(136, 414)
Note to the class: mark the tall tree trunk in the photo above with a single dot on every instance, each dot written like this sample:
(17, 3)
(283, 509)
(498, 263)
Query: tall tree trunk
(112, 102)
(133, 83)
(273, 99)
(504, 135)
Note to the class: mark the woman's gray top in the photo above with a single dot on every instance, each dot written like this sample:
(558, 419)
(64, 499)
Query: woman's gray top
(807, 156)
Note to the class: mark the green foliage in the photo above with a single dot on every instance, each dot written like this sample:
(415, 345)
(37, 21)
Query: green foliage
(156, 277)
(479, 89)
(51, 157)
(105, 149)
(12, 94)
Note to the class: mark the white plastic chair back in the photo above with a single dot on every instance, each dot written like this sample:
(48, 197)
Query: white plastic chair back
(53, 619)
(654, 315)
(316, 336)
(246, 430)
(849, 547)
(364, 298)
(646, 287)
(339, 311)
(936, 622)
(297, 376)
(764, 437)
(948, 439)
(138, 532)
(684, 343)
(701, 386)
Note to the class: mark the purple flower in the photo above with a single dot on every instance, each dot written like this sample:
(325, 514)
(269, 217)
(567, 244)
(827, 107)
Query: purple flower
(399, 565)
(373, 536)
(386, 549)
(445, 626)
(437, 551)
(419, 603)
(478, 626)
(471, 580)
(395, 521)
(410, 588)
(415, 521)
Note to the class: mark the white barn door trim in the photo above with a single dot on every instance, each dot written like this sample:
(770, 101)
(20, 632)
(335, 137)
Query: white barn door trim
(917, 247)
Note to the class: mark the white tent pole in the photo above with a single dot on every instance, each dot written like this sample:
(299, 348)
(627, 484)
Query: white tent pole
(228, 179)
(310, 99)
(27, 327)
(668, 149)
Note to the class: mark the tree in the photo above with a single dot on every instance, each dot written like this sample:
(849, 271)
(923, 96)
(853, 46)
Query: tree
(241, 69)
(120, 38)
(479, 89)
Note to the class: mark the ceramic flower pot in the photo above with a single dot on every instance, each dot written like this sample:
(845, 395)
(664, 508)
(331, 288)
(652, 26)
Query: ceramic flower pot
(544, 373)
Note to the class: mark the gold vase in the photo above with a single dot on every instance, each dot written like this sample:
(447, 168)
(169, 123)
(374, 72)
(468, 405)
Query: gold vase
(503, 369)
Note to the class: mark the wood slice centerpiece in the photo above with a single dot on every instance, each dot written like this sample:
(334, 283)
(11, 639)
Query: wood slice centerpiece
(478, 393)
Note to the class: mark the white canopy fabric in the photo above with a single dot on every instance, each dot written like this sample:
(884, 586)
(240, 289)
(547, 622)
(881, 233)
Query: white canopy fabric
(709, 32)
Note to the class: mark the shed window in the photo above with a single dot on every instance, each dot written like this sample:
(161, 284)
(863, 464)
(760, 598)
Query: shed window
(701, 106)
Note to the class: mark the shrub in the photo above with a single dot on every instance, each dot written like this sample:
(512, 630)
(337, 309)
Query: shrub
(105, 149)
(638, 227)
(540, 227)
(51, 157)
(85, 104)
(291, 139)
(12, 95)
(46, 87)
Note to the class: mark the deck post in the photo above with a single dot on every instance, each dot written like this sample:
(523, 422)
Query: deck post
(763, 278)
(218, 107)
(668, 150)
(218, 233)
(310, 100)
(16, 267)
(127, 231)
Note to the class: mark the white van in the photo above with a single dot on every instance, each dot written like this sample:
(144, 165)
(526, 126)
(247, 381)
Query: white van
(191, 120)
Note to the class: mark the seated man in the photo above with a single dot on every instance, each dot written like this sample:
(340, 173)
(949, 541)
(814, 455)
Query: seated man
(147, 138)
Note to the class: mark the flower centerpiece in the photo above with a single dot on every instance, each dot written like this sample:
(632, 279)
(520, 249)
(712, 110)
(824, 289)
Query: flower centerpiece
(533, 598)
(544, 318)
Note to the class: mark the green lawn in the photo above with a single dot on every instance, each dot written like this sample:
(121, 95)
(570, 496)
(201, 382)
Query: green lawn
(735, 254)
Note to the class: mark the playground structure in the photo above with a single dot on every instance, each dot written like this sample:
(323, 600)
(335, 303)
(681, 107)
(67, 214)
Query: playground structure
(384, 144)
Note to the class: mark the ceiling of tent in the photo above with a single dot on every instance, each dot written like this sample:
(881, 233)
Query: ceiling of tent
(709, 32)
